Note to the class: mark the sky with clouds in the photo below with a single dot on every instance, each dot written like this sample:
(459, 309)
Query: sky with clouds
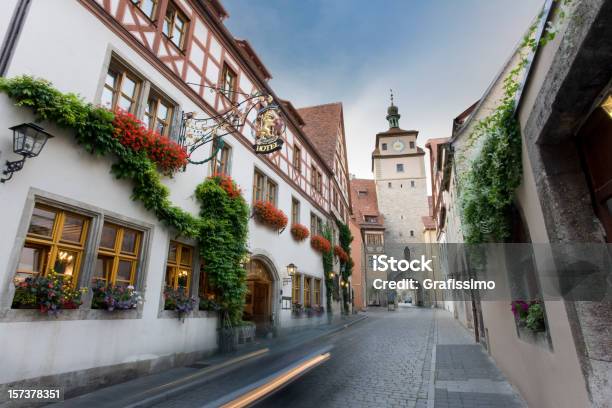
(439, 56)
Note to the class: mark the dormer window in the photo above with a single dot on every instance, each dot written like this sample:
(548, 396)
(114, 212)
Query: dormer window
(371, 219)
(175, 26)
(362, 193)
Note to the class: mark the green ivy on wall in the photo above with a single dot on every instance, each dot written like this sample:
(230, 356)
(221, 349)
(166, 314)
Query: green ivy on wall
(221, 229)
(346, 269)
(328, 268)
(487, 188)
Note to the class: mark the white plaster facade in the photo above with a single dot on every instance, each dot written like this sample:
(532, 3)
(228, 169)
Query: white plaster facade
(74, 53)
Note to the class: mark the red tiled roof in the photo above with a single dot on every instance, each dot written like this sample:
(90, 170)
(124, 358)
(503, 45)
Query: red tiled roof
(322, 125)
(365, 204)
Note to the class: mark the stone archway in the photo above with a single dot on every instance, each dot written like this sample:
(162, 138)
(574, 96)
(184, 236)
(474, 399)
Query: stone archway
(261, 299)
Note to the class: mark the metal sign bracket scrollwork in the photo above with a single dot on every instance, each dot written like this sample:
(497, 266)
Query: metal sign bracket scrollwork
(268, 126)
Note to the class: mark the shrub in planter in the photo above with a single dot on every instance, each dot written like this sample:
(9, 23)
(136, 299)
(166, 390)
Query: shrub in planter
(299, 232)
(50, 293)
(179, 301)
(340, 254)
(320, 244)
(267, 214)
(115, 297)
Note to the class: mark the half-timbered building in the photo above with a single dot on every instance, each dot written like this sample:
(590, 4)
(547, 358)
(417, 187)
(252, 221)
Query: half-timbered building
(159, 60)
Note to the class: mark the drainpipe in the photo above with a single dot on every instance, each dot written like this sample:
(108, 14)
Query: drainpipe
(12, 34)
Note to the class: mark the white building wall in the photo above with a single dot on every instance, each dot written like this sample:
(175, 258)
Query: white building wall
(39, 346)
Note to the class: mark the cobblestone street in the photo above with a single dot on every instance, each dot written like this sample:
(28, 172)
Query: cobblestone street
(385, 361)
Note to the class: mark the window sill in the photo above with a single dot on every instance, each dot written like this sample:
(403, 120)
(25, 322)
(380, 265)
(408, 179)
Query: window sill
(540, 339)
(196, 314)
(34, 315)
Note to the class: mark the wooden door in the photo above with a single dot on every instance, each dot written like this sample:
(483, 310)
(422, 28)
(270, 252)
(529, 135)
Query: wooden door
(595, 139)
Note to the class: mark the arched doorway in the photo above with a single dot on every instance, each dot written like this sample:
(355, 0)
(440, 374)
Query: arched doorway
(258, 302)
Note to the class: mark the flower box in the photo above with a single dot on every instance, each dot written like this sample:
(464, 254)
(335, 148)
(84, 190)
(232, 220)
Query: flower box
(299, 232)
(341, 254)
(133, 134)
(114, 297)
(178, 300)
(50, 293)
(320, 244)
(529, 315)
(266, 213)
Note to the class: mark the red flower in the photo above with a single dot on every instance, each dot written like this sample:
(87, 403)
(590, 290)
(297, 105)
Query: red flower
(320, 244)
(267, 214)
(133, 134)
(299, 232)
(341, 254)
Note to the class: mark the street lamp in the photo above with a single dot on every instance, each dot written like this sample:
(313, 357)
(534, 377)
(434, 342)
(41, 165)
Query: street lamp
(28, 141)
(291, 269)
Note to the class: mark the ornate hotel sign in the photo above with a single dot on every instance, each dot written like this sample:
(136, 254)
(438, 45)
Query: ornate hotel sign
(268, 129)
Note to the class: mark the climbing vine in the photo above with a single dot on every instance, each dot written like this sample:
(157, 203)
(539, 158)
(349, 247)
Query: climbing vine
(346, 268)
(328, 268)
(487, 188)
(221, 236)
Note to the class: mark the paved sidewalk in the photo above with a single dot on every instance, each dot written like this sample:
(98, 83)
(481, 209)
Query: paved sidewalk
(148, 390)
(465, 376)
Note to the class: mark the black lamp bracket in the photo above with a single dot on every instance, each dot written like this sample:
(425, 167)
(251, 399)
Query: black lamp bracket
(12, 167)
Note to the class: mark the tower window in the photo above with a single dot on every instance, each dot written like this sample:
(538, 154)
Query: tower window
(384, 146)
(411, 183)
(411, 233)
(412, 145)
(399, 167)
(389, 184)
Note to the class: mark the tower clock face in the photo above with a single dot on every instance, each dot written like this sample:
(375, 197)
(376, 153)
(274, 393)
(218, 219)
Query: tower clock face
(398, 145)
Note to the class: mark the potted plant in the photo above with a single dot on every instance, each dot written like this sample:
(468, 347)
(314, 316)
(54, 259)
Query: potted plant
(49, 293)
(299, 232)
(266, 213)
(529, 315)
(320, 244)
(178, 300)
(114, 297)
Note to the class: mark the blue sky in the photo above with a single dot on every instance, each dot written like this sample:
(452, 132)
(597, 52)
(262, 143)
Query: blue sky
(439, 56)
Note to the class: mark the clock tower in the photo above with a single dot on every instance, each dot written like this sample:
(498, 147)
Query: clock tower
(398, 165)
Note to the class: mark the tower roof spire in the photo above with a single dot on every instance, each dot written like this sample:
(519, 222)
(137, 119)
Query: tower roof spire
(393, 115)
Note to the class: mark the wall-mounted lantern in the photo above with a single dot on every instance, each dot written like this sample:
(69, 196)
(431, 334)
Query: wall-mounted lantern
(291, 269)
(28, 141)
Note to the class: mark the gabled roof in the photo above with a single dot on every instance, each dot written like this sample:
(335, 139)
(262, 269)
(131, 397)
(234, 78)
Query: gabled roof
(248, 50)
(365, 203)
(322, 126)
(434, 144)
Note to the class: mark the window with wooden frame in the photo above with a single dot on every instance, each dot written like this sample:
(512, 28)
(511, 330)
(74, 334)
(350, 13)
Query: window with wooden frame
(307, 283)
(55, 241)
(158, 114)
(221, 162)
(374, 239)
(179, 267)
(264, 189)
(296, 281)
(175, 26)
(319, 182)
(317, 292)
(148, 7)
(295, 211)
(228, 82)
(259, 186)
(121, 88)
(271, 191)
(316, 224)
(297, 159)
(118, 255)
